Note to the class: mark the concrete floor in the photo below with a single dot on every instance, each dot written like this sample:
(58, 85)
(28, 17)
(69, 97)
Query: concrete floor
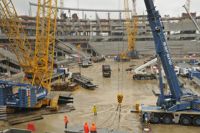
(104, 97)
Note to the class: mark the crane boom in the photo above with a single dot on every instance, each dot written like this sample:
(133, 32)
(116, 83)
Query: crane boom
(131, 26)
(188, 3)
(36, 60)
(37, 63)
(11, 25)
(192, 18)
(45, 42)
(149, 63)
(162, 49)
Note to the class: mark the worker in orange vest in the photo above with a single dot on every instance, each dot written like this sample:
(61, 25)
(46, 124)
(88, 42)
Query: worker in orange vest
(86, 128)
(31, 127)
(93, 128)
(66, 121)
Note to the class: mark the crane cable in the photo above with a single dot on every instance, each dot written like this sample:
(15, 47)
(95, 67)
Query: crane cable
(112, 117)
(120, 89)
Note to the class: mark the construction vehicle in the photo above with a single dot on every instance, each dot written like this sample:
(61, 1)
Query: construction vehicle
(106, 71)
(131, 28)
(140, 74)
(179, 106)
(194, 73)
(86, 63)
(184, 71)
(37, 61)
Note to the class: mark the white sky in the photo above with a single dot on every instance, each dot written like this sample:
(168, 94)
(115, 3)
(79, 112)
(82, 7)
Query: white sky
(171, 7)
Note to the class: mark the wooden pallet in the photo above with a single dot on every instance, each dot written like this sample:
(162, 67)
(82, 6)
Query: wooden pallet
(22, 117)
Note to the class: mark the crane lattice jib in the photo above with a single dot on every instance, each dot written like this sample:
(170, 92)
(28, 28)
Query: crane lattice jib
(45, 42)
(12, 27)
(133, 35)
(131, 27)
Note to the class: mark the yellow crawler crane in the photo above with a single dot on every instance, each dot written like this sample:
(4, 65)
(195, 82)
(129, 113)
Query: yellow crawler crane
(131, 28)
(36, 60)
(44, 45)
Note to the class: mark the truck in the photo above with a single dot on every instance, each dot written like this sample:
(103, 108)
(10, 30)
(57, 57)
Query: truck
(179, 106)
(106, 71)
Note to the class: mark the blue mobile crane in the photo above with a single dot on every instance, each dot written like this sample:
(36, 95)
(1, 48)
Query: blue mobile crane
(179, 106)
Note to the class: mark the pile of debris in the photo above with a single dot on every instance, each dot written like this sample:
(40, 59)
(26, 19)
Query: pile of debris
(65, 86)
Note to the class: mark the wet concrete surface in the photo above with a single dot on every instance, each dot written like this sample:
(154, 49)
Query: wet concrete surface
(105, 98)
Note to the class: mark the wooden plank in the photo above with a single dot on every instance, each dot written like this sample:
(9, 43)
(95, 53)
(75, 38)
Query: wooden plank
(24, 119)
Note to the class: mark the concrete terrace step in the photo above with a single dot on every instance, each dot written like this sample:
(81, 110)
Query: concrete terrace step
(11, 68)
(9, 55)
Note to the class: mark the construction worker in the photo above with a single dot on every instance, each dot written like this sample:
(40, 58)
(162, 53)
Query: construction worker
(86, 128)
(93, 128)
(94, 110)
(66, 121)
(31, 126)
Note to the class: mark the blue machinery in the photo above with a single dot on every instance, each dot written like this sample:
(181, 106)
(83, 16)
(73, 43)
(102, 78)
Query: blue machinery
(20, 95)
(178, 106)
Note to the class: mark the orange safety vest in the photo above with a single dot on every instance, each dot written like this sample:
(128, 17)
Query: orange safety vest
(66, 120)
(93, 128)
(86, 128)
